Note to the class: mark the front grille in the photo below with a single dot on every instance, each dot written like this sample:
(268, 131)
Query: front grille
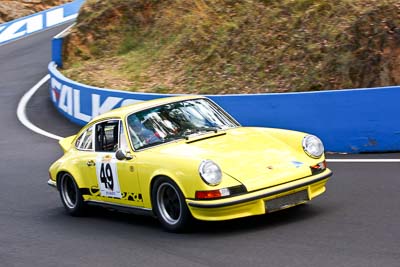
(286, 201)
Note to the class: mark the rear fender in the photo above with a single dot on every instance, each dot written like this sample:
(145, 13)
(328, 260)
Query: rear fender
(75, 173)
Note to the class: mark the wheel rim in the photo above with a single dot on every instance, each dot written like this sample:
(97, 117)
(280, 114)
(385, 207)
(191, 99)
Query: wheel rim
(68, 192)
(169, 203)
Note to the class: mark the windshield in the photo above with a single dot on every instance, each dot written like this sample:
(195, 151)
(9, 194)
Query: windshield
(176, 121)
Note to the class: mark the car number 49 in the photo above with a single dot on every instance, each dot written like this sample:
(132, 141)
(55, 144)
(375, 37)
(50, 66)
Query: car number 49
(107, 177)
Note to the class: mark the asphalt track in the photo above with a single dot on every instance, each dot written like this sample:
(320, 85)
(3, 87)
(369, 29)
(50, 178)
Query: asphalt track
(355, 223)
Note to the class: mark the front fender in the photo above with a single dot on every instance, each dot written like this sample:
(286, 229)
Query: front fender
(189, 181)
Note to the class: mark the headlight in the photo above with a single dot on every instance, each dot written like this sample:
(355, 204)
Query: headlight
(210, 172)
(313, 146)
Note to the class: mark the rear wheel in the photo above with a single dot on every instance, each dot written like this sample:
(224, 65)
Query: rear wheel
(169, 205)
(70, 195)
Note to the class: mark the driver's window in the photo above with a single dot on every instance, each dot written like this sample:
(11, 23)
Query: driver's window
(107, 136)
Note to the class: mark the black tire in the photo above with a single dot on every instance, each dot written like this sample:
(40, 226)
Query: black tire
(169, 205)
(71, 196)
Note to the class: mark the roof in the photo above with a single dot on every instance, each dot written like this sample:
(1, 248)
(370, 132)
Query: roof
(120, 112)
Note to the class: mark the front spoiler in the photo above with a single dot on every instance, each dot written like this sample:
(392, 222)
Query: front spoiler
(260, 194)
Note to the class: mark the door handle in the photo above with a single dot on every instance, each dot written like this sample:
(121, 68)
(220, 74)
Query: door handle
(91, 163)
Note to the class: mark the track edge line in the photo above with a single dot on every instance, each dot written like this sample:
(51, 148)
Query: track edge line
(21, 110)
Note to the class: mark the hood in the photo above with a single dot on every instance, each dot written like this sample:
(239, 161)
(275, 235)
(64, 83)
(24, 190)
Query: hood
(250, 155)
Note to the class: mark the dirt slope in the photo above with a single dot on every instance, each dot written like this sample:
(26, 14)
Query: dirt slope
(243, 46)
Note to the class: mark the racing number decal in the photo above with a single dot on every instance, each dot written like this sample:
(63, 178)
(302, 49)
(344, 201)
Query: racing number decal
(107, 177)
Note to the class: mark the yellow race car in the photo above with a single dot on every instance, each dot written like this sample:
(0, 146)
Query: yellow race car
(181, 158)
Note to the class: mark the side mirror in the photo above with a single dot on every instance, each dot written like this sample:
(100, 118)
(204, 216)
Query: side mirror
(123, 155)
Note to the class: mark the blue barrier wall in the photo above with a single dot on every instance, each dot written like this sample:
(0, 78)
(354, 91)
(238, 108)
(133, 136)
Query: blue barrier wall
(354, 121)
(56, 51)
(40, 21)
(57, 46)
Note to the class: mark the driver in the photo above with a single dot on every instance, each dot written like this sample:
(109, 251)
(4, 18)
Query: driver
(140, 134)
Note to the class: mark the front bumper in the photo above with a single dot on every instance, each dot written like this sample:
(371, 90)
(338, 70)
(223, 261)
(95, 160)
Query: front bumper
(255, 203)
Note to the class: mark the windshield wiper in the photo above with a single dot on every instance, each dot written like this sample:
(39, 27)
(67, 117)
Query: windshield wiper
(200, 131)
(209, 129)
(189, 132)
(203, 137)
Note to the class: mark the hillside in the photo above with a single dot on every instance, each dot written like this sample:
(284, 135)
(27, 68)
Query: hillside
(10, 10)
(243, 46)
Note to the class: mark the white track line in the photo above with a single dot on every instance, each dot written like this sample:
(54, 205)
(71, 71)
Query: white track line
(21, 113)
(364, 160)
(21, 110)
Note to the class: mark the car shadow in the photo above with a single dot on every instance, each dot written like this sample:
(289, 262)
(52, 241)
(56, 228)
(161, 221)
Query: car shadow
(253, 223)
(248, 224)
(260, 222)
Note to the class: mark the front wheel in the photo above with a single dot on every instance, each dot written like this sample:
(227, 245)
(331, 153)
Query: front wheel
(70, 195)
(169, 205)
